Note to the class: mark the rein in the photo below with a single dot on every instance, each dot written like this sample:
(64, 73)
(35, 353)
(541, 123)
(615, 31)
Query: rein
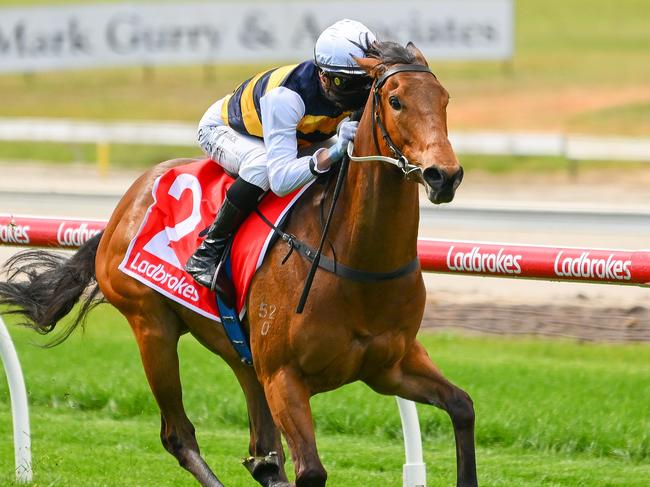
(343, 172)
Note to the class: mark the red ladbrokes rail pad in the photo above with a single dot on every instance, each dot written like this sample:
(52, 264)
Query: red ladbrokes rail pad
(33, 231)
(453, 257)
(536, 262)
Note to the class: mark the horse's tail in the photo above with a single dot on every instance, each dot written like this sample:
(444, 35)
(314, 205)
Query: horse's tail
(43, 286)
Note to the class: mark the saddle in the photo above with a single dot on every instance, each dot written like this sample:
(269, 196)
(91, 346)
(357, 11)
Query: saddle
(186, 199)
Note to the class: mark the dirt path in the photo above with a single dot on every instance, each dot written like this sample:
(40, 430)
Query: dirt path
(578, 322)
(551, 109)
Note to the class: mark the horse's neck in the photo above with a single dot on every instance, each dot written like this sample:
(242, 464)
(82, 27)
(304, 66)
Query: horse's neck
(379, 226)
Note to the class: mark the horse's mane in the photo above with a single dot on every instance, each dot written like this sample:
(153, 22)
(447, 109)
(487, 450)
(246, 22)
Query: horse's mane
(389, 53)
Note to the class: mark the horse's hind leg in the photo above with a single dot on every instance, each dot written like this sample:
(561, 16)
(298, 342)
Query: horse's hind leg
(157, 333)
(416, 378)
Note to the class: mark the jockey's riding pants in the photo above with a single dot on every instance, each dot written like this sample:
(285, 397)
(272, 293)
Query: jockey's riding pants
(237, 153)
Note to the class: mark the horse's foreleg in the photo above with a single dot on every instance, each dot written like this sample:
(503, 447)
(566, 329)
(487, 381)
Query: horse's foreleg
(289, 402)
(266, 461)
(157, 335)
(417, 378)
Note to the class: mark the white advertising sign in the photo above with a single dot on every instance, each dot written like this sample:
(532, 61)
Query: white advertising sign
(80, 36)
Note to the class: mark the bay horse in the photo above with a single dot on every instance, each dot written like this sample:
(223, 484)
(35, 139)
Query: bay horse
(348, 330)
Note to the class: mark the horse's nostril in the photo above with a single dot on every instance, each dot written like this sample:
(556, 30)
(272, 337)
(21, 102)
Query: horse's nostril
(434, 177)
(458, 178)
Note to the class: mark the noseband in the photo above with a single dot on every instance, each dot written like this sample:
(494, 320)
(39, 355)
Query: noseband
(399, 159)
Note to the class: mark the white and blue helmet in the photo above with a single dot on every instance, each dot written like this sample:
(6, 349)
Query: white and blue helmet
(336, 46)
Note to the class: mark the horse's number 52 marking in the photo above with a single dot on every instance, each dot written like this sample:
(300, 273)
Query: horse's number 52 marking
(267, 311)
(159, 243)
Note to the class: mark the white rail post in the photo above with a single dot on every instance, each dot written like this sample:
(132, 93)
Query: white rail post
(415, 471)
(22, 438)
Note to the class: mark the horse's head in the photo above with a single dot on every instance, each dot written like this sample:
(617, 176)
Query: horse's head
(408, 108)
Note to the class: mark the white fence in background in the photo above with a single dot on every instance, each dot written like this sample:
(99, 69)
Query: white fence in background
(573, 147)
(88, 131)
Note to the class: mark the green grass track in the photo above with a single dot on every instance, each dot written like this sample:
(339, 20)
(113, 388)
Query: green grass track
(549, 413)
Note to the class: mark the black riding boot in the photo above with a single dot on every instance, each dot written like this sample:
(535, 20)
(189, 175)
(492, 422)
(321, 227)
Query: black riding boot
(241, 199)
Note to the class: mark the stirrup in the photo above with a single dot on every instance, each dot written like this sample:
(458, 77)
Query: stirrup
(221, 283)
(213, 283)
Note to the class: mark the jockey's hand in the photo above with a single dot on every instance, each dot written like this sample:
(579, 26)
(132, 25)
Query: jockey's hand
(324, 159)
(347, 131)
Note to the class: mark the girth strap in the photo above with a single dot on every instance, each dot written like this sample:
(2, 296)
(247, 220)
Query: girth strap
(334, 267)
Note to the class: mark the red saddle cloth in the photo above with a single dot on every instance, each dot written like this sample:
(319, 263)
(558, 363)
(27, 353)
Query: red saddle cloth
(186, 200)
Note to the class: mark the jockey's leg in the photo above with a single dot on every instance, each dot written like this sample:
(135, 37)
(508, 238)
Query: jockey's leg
(239, 155)
(241, 199)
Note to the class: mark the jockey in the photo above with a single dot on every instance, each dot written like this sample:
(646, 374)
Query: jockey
(272, 132)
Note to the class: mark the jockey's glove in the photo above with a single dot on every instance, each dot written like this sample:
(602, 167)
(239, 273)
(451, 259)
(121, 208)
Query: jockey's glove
(346, 133)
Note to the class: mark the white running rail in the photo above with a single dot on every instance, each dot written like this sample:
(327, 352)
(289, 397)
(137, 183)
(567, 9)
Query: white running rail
(22, 438)
(571, 146)
(415, 471)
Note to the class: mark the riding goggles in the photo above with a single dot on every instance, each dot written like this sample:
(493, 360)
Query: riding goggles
(349, 83)
(349, 91)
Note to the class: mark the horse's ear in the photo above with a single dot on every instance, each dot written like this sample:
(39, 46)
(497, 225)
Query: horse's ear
(370, 65)
(410, 47)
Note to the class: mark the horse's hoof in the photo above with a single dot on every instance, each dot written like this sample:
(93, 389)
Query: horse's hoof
(266, 470)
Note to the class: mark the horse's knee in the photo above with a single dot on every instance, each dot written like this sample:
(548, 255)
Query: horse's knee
(461, 409)
(315, 476)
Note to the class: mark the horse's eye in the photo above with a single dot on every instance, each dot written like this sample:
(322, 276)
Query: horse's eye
(394, 102)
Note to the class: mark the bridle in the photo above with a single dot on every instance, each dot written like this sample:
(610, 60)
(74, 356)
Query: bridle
(410, 170)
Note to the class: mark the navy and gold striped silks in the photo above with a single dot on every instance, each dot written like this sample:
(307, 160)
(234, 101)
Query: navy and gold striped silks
(241, 109)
